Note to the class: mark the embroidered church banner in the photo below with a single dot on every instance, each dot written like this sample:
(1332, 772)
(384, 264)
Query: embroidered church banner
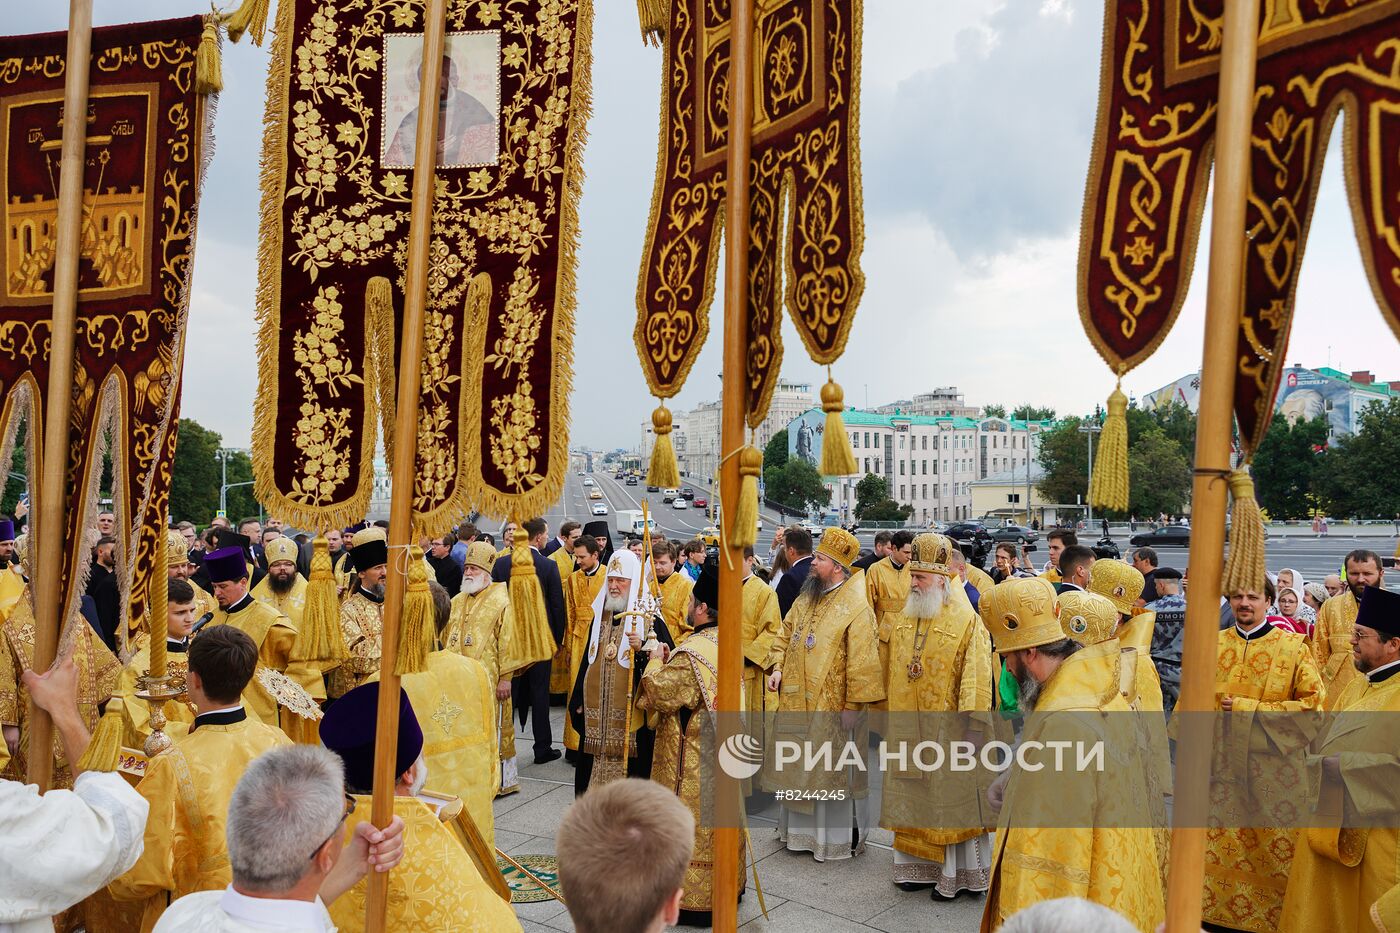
(804, 168)
(337, 178)
(1152, 154)
(147, 141)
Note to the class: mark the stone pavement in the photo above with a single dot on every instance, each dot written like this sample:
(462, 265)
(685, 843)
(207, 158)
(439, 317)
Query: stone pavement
(801, 894)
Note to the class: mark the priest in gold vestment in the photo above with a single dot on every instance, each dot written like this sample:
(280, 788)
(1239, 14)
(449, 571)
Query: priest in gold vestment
(270, 630)
(135, 713)
(763, 623)
(561, 551)
(1067, 833)
(190, 785)
(940, 664)
(1331, 639)
(178, 567)
(887, 588)
(362, 612)
(603, 704)
(679, 688)
(99, 672)
(580, 589)
(458, 700)
(1258, 761)
(674, 588)
(826, 672)
(1341, 875)
(284, 589)
(440, 884)
(481, 628)
(12, 579)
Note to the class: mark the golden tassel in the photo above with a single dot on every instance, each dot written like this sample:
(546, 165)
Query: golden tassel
(416, 624)
(837, 458)
(1110, 488)
(744, 532)
(533, 638)
(208, 67)
(1244, 567)
(663, 471)
(320, 639)
(106, 743)
(251, 18)
(653, 15)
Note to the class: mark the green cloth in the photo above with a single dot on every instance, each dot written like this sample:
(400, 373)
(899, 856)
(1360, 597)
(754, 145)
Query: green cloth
(1010, 692)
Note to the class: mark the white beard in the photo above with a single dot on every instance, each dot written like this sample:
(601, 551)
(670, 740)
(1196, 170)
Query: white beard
(928, 604)
(614, 604)
(473, 585)
(420, 779)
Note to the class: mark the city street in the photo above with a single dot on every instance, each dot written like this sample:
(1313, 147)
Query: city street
(1293, 546)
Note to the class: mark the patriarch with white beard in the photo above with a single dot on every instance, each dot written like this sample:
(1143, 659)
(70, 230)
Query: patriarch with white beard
(940, 664)
(613, 740)
(480, 628)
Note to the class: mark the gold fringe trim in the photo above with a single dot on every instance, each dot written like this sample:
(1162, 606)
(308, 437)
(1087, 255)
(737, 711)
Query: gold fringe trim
(208, 64)
(744, 532)
(653, 15)
(534, 640)
(1244, 567)
(250, 18)
(837, 457)
(106, 743)
(320, 638)
(416, 626)
(381, 358)
(664, 471)
(1110, 486)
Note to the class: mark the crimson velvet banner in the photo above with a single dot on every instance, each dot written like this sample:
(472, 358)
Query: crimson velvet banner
(147, 140)
(804, 168)
(338, 160)
(1152, 155)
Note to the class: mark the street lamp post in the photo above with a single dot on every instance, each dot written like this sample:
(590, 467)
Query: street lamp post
(1089, 429)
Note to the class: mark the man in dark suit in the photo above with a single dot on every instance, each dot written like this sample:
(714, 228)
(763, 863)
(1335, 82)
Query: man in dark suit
(884, 544)
(562, 539)
(531, 689)
(798, 544)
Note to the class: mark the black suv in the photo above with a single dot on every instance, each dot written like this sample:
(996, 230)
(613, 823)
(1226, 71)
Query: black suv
(687, 493)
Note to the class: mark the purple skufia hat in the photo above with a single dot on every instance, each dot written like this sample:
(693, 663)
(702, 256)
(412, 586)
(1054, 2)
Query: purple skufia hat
(348, 729)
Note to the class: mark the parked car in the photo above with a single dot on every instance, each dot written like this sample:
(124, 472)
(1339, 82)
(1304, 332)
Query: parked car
(687, 493)
(679, 503)
(700, 502)
(600, 509)
(1166, 536)
(1018, 534)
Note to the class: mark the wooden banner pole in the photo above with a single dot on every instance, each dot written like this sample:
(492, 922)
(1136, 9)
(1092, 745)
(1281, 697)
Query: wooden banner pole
(725, 889)
(404, 466)
(1214, 429)
(52, 492)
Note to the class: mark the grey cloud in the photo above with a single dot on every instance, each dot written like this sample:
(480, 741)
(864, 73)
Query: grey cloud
(991, 146)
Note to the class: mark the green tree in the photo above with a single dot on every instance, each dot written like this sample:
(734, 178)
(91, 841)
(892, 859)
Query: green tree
(870, 490)
(241, 501)
(1066, 461)
(887, 510)
(1355, 476)
(194, 478)
(1032, 413)
(994, 411)
(1159, 474)
(776, 453)
(1286, 466)
(796, 485)
(15, 484)
(1174, 420)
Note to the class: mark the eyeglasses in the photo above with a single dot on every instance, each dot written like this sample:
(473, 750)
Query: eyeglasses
(349, 809)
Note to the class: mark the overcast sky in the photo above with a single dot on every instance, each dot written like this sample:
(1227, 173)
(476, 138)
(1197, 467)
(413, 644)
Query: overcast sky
(977, 116)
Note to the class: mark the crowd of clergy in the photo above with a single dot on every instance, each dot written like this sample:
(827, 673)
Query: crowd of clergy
(836, 643)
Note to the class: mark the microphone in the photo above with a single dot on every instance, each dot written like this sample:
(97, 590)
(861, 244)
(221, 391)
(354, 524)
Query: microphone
(200, 623)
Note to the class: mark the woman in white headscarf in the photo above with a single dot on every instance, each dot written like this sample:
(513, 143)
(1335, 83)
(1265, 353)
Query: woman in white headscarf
(1290, 579)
